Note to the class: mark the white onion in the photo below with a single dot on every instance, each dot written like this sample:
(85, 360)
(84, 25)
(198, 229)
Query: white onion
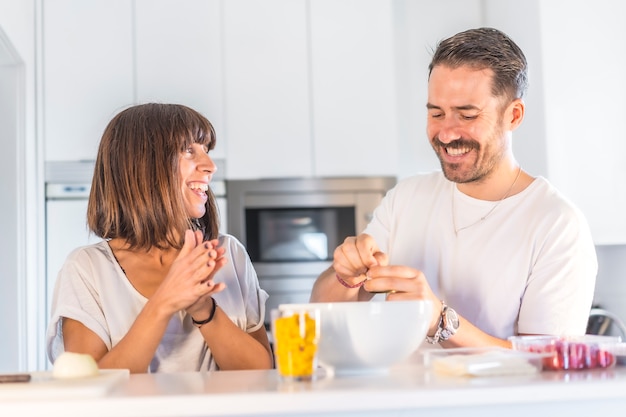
(74, 365)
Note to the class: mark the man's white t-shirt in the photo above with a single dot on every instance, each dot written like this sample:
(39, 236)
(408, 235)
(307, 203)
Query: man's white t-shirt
(528, 268)
(92, 289)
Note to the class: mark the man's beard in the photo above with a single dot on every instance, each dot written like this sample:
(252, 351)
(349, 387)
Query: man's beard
(487, 159)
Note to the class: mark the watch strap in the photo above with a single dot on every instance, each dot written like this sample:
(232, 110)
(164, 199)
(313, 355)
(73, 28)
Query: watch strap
(444, 331)
(434, 339)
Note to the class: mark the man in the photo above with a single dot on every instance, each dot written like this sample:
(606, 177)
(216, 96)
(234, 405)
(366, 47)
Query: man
(498, 251)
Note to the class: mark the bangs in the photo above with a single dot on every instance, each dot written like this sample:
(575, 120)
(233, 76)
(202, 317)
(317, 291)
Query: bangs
(200, 132)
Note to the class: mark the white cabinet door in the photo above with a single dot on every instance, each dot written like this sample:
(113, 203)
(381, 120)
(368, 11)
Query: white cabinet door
(267, 106)
(353, 79)
(179, 56)
(87, 72)
(585, 109)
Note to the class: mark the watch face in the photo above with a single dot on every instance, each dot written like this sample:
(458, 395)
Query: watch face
(450, 325)
(452, 319)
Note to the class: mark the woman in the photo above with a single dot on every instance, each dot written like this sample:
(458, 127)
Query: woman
(163, 291)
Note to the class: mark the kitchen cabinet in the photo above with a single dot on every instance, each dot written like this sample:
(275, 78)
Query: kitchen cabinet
(309, 88)
(179, 57)
(583, 82)
(111, 54)
(87, 73)
(290, 90)
(267, 96)
(574, 103)
(353, 84)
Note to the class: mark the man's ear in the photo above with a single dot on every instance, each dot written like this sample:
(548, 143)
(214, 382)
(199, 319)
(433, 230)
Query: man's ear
(514, 113)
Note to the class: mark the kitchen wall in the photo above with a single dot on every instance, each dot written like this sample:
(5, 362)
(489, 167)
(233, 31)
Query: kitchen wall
(10, 69)
(21, 186)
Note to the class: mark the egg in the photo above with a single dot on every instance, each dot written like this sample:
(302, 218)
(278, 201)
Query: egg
(74, 365)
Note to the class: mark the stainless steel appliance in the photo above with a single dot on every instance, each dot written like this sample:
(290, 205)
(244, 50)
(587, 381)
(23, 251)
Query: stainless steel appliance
(291, 227)
(603, 322)
(67, 189)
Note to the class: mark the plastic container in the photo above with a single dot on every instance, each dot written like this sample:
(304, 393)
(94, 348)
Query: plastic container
(571, 352)
(491, 361)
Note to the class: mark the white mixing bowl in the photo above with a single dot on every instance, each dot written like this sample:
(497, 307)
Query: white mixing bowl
(366, 337)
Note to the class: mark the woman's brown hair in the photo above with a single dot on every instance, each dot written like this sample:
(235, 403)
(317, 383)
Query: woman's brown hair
(135, 192)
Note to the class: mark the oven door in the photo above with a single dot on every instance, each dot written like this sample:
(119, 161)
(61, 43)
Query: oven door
(297, 234)
(291, 246)
(291, 239)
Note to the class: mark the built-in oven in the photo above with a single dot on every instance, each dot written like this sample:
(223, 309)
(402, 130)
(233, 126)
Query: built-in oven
(291, 227)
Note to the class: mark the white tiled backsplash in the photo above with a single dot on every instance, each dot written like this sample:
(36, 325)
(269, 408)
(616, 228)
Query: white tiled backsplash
(611, 281)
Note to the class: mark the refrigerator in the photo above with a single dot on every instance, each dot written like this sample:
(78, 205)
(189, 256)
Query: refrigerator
(67, 190)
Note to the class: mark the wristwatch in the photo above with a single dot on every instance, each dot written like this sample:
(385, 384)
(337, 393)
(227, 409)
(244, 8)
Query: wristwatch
(447, 327)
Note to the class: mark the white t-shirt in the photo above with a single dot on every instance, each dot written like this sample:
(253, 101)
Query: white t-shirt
(92, 289)
(529, 267)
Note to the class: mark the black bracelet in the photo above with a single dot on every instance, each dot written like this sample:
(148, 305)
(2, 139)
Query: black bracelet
(203, 322)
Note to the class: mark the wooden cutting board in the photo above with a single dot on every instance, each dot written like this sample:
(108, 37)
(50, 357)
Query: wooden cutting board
(43, 386)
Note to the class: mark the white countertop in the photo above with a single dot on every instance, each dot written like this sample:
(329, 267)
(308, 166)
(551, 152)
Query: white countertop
(407, 389)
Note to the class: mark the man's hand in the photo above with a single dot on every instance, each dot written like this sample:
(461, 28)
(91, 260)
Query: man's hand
(354, 257)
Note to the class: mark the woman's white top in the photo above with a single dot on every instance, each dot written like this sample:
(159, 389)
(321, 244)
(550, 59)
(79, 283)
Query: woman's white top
(92, 288)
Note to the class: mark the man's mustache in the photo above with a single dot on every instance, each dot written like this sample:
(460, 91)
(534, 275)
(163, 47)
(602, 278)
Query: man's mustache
(457, 144)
